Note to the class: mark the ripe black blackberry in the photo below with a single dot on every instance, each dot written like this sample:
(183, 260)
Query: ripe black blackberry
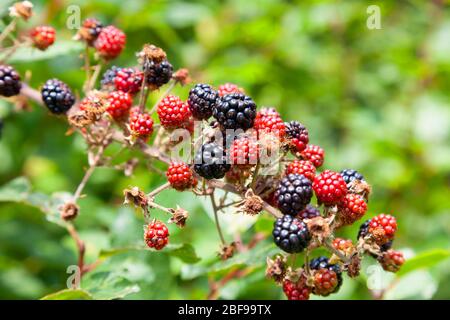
(291, 234)
(297, 134)
(57, 96)
(235, 111)
(211, 162)
(349, 175)
(10, 84)
(364, 229)
(158, 74)
(293, 193)
(109, 76)
(202, 101)
(323, 262)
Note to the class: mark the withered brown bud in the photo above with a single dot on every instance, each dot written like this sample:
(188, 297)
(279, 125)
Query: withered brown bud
(354, 266)
(151, 52)
(81, 119)
(136, 197)
(276, 269)
(23, 9)
(227, 251)
(69, 211)
(182, 76)
(89, 31)
(252, 204)
(318, 228)
(360, 187)
(179, 217)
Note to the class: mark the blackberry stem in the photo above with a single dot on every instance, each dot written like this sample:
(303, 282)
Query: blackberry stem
(8, 29)
(87, 68)
(158, 190)
(216, 218)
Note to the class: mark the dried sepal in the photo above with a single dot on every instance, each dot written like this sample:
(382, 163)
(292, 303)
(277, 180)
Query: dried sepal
(182, 76)
(69, 211)
(137, 198)
(151, 52)
(252, 204)
(277, 268)
(319, 228)
(23, 9)
(360, 187)
(179, 217)
(227, 251)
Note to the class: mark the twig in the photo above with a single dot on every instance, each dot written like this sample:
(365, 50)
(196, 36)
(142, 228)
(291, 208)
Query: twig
(87, 68)
(255, 176)
(216, 218)
(80, 246)
(9, 28)
(158, 190)
(94, 77)
(88, 174)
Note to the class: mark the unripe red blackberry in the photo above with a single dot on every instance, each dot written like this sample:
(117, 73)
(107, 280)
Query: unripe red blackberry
(173, 113)
(382, 228)
(235, 111)
(323, 263)
(180, 176)
(141, 125)
(391, 260)
(156, 235)
(308, 213)
(325, 282)
(42, 36)
(211, 162)
(315, 154)
(303, 167)
(349, 175)
(57, 96)
(297, 135)
(202, 101)
(157, 73)
(128, 80)
(119, 104)
(291, 234)
(268, 120)
(296, 290)
(329, 187)
(351, 209)
(244, 151)
(110, 42)
(293, 193)
(10, 84)
(229, 88)
(364, 231)
(343, 245)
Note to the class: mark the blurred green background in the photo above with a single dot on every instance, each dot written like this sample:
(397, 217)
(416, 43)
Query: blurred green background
(376, 100)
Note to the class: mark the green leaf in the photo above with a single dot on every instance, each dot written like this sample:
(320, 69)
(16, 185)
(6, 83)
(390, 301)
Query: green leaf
(108, 285)
(424, 260)
(16, 190)
(69, 294)
(60, 48)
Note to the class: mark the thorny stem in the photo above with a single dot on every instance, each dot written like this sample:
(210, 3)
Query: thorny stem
(255, 176)
(168, 90)
(80, 246)
(144, 93)
(94, 77)
(9, 28)
(152, 204)
(88, 174)
(216, 218)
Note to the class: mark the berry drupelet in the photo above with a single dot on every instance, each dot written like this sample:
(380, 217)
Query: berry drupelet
(10, 84)
(349, 175)
(128, 80)
(315, 154)
(291, 234)
(141, 125)
(235, 111)
(110, 42)
(156, 235)
(180, 176)
(329, 187)
(157, 74)
(42, 37)
(297, 135)
(173, 113)
(293, 193)
(268, 120)
(303, 167)
(296, 290)
(57, 96)
(202, 101)
(211, 162)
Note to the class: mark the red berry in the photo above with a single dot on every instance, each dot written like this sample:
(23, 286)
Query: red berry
(229, 88)
(297, 135)
(42, 36)
(244, 151)
(325, 282)
(128, 80)
(110, 42)
(296, 290)
(315, 154)
(382, 228)
(329, 187)
(343, 245)
(303, 167)
(156, 235)
(391, 260)
(119, 104)
(180, 176)
(269, 120)
(141, 124)
(174, 113)
(352, 208)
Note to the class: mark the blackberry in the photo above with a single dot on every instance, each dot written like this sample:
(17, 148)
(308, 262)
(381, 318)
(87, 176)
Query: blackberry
(323, 262)
(211, 162)
(57, 96)
(202, 101)
(364, 230)
(308, 213)
(158, 74)
(109, 76)
(349, 175)
(291, 234)
(297, 134)
(235, 111)
(294, 192)
(10, 84)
